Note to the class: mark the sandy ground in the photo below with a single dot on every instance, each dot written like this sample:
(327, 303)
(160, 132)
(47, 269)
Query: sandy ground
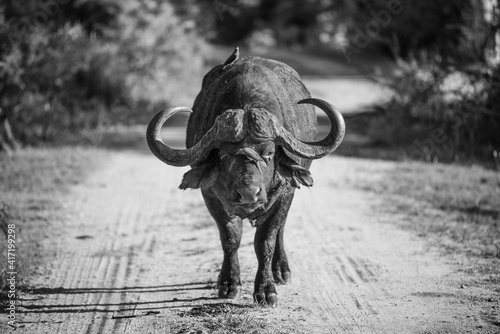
(135, 253)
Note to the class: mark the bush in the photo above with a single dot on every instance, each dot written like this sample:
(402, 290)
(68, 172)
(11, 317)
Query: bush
(413, 26)
(442, 113)
(88, 63)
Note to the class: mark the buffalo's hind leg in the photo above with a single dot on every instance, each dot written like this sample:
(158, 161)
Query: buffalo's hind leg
(265, 244)
(230, 230)
(281, 270)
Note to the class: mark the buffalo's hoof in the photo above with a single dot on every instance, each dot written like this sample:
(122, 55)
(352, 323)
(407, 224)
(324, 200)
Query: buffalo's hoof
(282, 277)
(229, 291)
(267, 299)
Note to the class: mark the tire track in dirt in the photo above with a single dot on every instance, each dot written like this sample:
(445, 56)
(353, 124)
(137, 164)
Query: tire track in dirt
(382, 270)
(337, 273)
(153, 252)
(130, 218)
(84, 278)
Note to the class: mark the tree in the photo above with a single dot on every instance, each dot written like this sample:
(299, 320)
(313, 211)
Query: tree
(40, 55)
(67, 65)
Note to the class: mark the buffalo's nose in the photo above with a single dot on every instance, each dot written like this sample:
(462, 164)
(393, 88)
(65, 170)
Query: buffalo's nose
(249, 194)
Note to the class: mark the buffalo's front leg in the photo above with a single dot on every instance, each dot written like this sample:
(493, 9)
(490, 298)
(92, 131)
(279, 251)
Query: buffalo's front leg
(281, 270)
(230, 230)
(265, 243)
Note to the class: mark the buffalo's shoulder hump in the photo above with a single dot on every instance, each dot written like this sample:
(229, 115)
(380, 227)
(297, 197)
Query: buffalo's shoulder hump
(282, 70)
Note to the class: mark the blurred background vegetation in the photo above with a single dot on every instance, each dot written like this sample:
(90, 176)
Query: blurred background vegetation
(70, 66)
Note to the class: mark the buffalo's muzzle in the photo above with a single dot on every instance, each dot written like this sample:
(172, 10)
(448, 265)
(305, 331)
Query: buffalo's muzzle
(249, 194)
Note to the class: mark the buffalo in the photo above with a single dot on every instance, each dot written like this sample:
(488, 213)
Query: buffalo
(251, 138)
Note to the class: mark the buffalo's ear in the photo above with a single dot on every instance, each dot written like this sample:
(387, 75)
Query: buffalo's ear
(293, 172)
(302, 175)
(201, 176)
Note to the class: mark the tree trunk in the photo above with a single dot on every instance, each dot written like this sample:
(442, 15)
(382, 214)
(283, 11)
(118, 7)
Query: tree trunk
(497, 33)
(7, 141)
(491, 9)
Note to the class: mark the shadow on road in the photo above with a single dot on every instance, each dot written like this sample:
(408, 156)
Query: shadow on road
(124, 303)
(157, 288)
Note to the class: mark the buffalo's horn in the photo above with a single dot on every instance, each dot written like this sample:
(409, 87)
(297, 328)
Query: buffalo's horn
(227, 126)
(315, 150)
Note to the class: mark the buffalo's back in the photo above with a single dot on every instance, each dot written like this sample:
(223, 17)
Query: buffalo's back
(278, 80)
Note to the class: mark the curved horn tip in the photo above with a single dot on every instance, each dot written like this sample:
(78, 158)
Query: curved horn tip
(174, 157)
(315, 150)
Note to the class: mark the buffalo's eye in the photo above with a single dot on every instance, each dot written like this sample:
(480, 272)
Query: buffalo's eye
(223, 155)
(267, 156)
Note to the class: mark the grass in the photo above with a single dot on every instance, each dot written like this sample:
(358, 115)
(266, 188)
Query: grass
(460, 205)
(237, 324)
(225, 318)
(31, 181)
(454, 208)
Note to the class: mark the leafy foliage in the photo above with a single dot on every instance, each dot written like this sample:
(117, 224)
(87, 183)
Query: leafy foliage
(438, 27)
(409, 27)
(72, 65)
(456, 104)
(446, 89)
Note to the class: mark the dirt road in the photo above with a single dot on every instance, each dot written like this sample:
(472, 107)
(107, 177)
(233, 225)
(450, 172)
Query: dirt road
(136, 254)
